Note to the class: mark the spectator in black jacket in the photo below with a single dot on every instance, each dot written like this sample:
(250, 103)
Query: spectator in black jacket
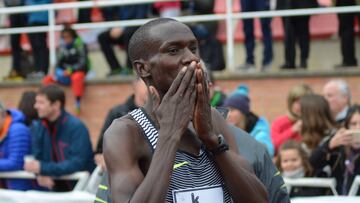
(121, 36)
(342, 152)
(296, 30)
(133, 102)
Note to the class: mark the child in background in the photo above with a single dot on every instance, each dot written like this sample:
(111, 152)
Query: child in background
(293, 163)
(72, 66)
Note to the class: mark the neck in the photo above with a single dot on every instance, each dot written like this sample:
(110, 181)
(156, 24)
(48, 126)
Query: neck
(54, 116)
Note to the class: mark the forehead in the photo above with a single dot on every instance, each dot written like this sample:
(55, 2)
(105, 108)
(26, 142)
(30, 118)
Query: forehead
(41, 97)
(170, 32)
(332, 88)
(287, 153)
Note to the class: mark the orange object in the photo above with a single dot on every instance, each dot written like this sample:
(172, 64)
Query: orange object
(5, 127)
(78, 83)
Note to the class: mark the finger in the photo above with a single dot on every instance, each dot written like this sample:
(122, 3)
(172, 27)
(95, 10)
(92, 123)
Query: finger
(191, 86)
(193, 102)
(186, 79)
(176, 83)
(203, 82)
(206, 82)
(200, 96)
(155, 97)
(198, 76)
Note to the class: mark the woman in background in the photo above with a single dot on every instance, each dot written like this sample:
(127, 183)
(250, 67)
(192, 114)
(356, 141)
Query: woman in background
(341, 152)
(288, 126)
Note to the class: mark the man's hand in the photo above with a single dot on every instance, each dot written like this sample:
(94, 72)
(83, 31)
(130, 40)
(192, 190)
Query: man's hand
(174, 112)
(45, 181)
(202, 114)
(67, 72)
(116, 32)
(32, 166)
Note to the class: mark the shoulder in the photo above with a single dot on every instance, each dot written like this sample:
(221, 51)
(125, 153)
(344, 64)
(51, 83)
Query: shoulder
(262, 122)
(123, 135)
(17, 122)
(120, 109)
(248, 147)
(72, 120)
(284, 119)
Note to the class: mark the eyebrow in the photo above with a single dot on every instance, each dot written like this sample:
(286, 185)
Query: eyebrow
(178, 43)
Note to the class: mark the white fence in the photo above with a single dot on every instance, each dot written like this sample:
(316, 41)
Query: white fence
(229, 16)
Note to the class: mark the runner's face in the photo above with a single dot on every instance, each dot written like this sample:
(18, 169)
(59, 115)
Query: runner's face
(175, 46)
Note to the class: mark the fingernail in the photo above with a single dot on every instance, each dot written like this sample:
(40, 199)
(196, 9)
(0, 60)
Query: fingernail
(184, 69)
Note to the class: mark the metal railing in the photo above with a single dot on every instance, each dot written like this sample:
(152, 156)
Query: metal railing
(228, 16)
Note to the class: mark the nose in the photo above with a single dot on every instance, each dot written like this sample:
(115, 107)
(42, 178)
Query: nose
(189, 57)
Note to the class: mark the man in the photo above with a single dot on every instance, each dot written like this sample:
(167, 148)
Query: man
(16, 20)
(176, 140)
(37, 40)
(61, 143)
(347, 35)
(257, 5)
(120, 36)
(338, 94)
(15, 143)
(135, 101)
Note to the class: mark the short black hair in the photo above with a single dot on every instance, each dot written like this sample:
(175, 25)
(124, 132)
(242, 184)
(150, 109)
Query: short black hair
(70, 30)
(139, 40)
(53, 93)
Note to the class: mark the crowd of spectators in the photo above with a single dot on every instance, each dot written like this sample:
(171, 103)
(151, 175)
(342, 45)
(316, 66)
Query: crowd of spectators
(296, 31)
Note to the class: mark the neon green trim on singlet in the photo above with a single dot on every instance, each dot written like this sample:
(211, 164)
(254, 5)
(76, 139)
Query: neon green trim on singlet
(180, 164)
(103, 187)
(100, 200)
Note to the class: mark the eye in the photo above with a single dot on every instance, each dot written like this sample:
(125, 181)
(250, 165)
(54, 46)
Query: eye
(193, 49)
(173, 50)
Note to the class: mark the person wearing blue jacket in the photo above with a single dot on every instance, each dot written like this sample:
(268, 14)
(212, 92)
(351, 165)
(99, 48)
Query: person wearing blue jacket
(60, 144)
(15, 143)
(38, 40)
(241, 116)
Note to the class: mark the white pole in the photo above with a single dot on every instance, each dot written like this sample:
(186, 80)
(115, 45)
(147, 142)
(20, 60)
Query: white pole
(52, 53)
(229, 36)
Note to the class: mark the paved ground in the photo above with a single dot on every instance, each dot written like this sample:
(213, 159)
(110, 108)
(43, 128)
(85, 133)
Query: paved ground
(324, 55)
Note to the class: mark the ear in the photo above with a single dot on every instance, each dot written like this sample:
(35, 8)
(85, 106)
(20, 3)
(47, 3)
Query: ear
(57, 103)
(142, 68)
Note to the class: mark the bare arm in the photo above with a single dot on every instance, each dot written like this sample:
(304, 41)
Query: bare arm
(121, 157)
